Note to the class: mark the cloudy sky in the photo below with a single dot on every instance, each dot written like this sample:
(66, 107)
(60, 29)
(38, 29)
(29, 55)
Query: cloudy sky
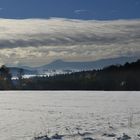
(36, 32)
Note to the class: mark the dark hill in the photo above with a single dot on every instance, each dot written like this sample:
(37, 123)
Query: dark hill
(114, 77)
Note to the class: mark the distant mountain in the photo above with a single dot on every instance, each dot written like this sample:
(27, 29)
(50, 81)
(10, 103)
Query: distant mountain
(15, 71)
(57, 65)
(63, 65)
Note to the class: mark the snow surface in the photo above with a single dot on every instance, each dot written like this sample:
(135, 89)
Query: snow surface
(74, 114)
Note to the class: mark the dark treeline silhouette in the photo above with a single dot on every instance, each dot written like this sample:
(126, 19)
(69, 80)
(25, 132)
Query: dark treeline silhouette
(5, 79)
(115, 77)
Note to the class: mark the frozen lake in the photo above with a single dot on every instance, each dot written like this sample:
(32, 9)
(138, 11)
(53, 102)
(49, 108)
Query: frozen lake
(75, 114)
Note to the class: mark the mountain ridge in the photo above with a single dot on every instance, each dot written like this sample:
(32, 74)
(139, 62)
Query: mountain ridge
(74, 66)
(87, 65)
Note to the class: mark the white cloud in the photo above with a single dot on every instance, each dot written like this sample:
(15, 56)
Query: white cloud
(38, 41)
(79, 11)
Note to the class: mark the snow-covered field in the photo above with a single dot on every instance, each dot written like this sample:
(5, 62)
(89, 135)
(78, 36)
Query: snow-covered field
(76, 115)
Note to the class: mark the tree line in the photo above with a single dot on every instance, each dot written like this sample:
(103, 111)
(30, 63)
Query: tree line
(114, 77)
